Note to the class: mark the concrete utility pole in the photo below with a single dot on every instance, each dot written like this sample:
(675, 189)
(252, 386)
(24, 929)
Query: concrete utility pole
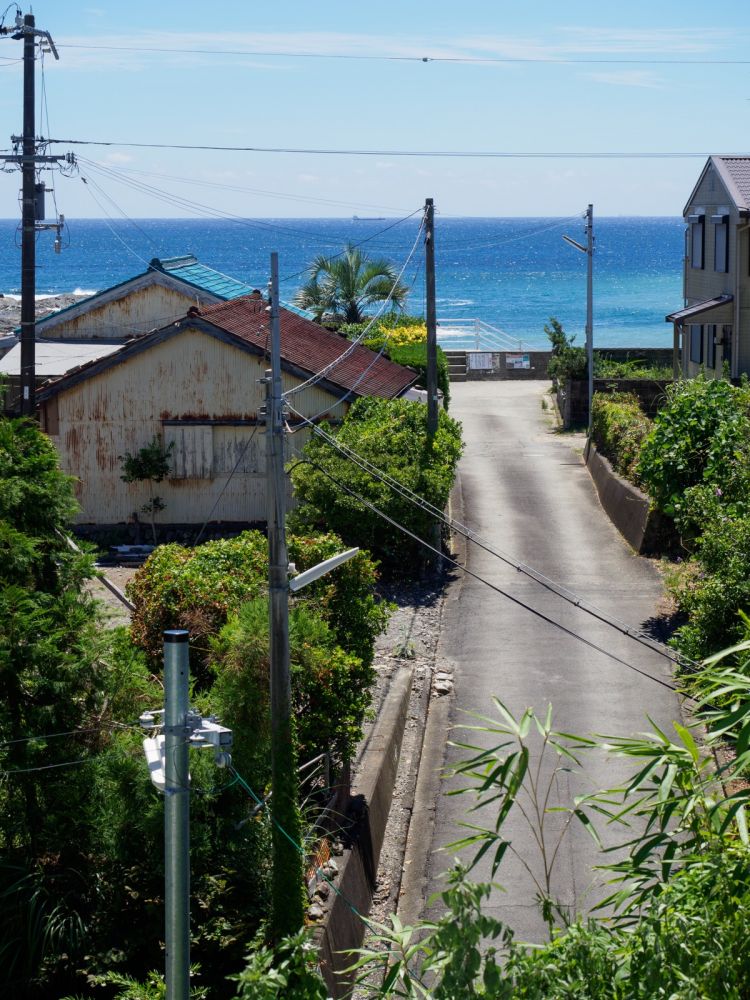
(32, 203)
(589, 251)
(287, 910)
(431, 317)
(176, 815)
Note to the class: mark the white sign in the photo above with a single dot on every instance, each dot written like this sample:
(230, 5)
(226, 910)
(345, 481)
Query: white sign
(479, 361)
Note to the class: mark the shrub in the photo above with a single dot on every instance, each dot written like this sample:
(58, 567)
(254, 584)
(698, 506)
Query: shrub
(630, 368)
(392, 435)
(619, 429)
(197, 589)
(415, 356)
(699, 436)
(567, 361)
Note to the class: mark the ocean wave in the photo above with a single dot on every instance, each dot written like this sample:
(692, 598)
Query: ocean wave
(78, 292)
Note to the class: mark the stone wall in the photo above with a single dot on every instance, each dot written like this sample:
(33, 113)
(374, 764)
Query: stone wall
(573, 398)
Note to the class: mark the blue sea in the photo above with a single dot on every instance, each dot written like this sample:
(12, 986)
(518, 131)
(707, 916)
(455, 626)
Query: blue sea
(512, 273)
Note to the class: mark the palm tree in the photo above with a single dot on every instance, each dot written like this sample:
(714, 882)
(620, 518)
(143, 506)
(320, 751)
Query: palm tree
(344, 285)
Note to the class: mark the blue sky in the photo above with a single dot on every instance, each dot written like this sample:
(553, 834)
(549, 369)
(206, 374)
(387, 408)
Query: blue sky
(620, 99)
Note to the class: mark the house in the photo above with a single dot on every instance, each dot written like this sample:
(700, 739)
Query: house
(195, 385)
(713, 327)
(101, 323)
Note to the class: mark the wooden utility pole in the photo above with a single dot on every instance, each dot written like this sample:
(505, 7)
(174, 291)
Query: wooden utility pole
(431, 317)
(287, 904)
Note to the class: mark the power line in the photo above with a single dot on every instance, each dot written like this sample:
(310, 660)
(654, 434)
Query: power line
(383, 57)
(504, 593)
(314, 379)
(451, 153)
(561, 591)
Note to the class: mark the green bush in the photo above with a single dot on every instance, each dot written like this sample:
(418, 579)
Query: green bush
(700, 436)
(197, 589)
(630, 368)
(567, 362)
(619, 429)
(330, 688)
(392, 436)
(415, 356)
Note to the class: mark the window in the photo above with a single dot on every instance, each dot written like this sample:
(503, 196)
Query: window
(711, 346)
(192, 450)
(697, 239)
(721, 243)
(696, 344)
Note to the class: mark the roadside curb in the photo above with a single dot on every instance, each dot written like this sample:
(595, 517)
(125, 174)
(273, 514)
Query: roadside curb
(370, 802)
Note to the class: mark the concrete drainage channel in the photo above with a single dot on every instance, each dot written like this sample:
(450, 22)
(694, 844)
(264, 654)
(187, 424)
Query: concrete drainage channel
(367, 878)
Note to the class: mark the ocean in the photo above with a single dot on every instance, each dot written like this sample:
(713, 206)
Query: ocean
(512, 273)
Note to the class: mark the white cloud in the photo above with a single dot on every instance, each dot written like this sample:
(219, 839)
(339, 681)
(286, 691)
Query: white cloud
(118, 158)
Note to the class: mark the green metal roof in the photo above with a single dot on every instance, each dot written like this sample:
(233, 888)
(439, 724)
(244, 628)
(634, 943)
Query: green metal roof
(192, 272)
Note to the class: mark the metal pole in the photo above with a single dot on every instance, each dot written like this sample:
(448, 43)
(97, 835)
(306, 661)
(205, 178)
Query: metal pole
(432, 388)
(28, 227)
(476, 335)
(176, 815)
(287, 911)
(590, 307)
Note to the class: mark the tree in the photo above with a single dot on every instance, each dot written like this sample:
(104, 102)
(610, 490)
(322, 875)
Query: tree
(151, 465)
(343, 286)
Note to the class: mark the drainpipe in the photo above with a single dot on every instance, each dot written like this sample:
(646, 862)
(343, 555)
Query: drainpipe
(676, 351)
(736, 328)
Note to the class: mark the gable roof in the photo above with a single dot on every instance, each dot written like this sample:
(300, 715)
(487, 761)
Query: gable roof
(734, 173)
(306, 348)
(190, 270)
(184, 273)
(311, 347)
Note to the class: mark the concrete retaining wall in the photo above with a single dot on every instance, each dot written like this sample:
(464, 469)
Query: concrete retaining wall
(646, 530)
(372, 791)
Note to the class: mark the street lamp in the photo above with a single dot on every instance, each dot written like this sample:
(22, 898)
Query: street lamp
(589, 251)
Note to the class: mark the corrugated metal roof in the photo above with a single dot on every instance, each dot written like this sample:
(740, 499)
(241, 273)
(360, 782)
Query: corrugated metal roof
(190, 270)
(312, 348)
(57, 358)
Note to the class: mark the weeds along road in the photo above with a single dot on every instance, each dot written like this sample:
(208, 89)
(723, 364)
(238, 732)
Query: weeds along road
(526, 491)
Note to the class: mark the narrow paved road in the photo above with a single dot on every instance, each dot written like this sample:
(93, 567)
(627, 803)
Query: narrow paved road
(526, 490)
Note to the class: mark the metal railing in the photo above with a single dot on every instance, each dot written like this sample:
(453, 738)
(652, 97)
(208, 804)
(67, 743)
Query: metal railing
(486, 337)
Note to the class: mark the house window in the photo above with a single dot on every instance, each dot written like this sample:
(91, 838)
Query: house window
(697, 239)
(711, 346)
(721, 243)
(192, 450)
(696, 344)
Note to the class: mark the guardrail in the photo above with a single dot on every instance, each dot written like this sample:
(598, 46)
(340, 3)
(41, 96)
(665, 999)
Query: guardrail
(486, 337)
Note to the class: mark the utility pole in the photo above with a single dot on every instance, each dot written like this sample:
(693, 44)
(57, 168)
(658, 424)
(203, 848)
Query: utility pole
(167, 759)
(589, 251)
(287, 909)
(176, 815)
(432, 388)
(590, 308)
(32, 206)
(28, 221)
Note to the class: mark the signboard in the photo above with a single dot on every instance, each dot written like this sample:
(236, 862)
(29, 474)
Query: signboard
(479, 360)
(517, 361)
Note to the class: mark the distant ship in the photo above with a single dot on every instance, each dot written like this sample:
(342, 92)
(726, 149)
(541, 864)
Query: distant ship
(368, 218)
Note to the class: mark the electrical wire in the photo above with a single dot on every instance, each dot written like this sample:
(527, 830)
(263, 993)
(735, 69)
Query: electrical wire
(107, 219)
(314, 379)
(450, 153)
(382, 57)
(453, 562)
(551, 585)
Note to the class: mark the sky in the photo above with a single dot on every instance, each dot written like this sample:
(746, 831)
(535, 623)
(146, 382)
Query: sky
(545, 78)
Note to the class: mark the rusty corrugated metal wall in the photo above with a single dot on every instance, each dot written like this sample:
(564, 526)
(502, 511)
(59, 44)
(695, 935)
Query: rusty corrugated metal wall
(191, 389)
(139, 311)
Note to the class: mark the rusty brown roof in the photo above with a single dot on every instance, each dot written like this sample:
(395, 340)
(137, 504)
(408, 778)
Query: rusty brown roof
(311, 347)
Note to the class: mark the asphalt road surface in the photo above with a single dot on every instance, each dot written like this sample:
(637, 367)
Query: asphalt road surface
(526, 491)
